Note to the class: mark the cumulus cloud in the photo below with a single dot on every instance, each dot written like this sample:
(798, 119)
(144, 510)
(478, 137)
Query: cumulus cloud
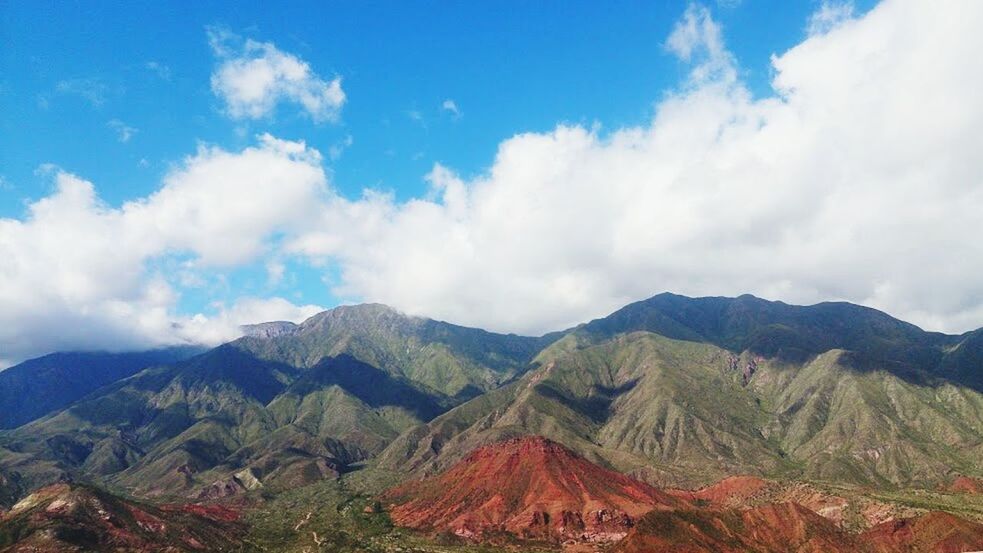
(225, 325)
(80, 274)
(859, 178)
(253, 77)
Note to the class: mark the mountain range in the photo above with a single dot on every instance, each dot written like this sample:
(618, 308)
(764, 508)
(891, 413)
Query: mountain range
(674, 392)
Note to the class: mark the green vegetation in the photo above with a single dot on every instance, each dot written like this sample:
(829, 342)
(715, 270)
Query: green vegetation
(337, 516)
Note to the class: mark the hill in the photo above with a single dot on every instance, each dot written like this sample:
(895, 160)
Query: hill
(789, 527)
(530, 487)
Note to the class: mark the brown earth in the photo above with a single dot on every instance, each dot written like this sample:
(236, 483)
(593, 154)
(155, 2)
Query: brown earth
(789, 527)
(68, 517)
(773, 528)
(935, 532)
(733, 491)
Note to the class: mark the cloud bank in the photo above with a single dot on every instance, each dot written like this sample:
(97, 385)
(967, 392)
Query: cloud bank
(858, 178)
(78, 274)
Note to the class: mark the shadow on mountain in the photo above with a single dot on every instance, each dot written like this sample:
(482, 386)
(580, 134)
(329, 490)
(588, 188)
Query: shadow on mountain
(795, 334)
(373, 386)
(37, 387)
(596, 405)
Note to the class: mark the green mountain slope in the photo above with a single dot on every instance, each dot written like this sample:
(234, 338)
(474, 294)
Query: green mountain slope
(453, 360)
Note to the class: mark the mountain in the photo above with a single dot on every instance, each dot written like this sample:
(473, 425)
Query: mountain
(40, 386)
(456, 361)
(684, 391)
(776, 330)
(69, 517)
(529, 487)
(671, 391)
(283, 408)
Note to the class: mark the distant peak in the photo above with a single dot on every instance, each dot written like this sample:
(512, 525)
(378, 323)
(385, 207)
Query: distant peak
(270, 329)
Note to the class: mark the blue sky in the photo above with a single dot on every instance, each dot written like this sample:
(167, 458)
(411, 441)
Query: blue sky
(508, 70)
(123, 96)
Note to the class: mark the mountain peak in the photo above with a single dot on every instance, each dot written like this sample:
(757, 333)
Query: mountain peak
(270, 329)
(361, 313)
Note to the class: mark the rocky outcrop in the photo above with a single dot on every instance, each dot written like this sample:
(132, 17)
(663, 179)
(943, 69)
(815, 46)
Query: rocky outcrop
(934, 532)
(70, 517)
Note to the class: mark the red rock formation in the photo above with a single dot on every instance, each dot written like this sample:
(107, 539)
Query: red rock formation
(773, 528)
(965, 484)
(733, 491)
(68, 517)
(935, 532)
(529, 487)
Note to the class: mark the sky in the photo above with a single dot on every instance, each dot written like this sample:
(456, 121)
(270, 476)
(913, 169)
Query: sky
(171, 171)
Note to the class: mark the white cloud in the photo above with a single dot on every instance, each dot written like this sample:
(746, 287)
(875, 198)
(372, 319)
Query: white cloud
(450, 106)
(859, 179)
(829, 16)
(253, 77)
(123, 131)
(697, 39)
(338, 148)
(275, 269)
(225, 325)
(78, 273)
(222, 205)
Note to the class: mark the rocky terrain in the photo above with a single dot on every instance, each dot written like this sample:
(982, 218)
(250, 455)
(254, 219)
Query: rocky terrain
(68, 517)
